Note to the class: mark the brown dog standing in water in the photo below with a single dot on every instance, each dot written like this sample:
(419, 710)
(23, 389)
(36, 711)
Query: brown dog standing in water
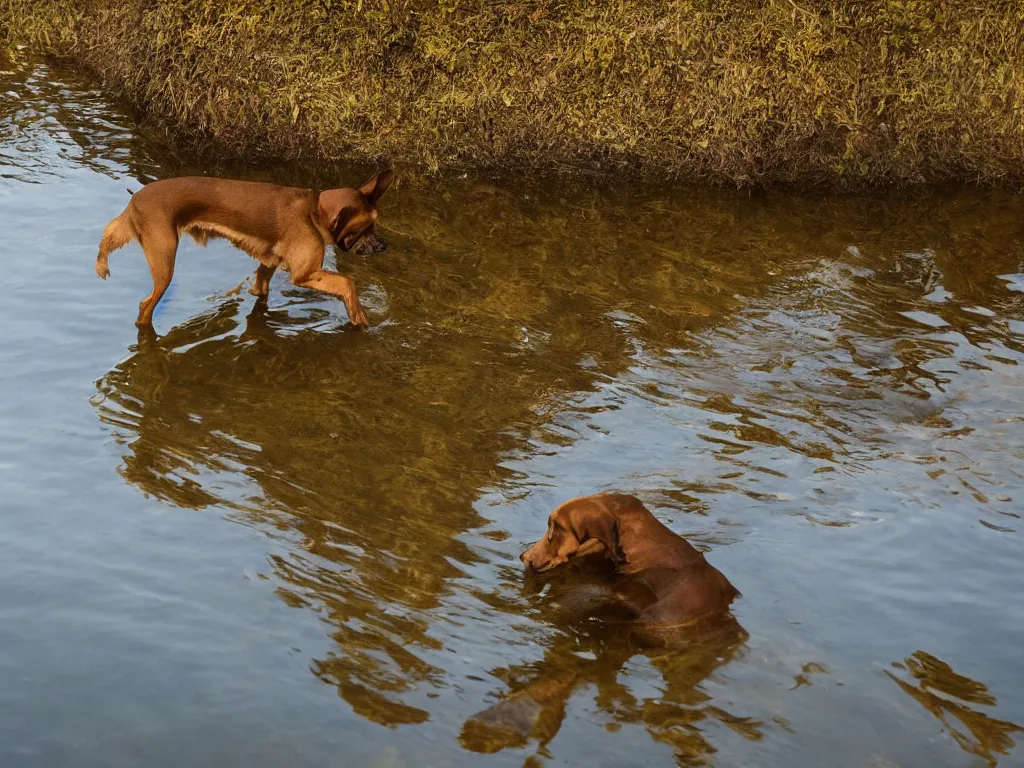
(278, 226)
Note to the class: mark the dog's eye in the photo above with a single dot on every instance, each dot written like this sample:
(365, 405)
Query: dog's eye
(552, 527)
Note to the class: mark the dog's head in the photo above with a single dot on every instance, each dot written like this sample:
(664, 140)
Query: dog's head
(349, 215)
(579, 527)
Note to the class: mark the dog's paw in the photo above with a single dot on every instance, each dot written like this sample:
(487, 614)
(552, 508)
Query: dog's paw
(358, 319)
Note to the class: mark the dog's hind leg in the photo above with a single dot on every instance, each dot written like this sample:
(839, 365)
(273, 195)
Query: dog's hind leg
(160, 248)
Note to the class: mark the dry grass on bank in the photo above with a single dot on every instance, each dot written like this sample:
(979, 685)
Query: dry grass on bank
(841, 93)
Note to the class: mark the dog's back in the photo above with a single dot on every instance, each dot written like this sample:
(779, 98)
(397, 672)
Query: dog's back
(685, 585)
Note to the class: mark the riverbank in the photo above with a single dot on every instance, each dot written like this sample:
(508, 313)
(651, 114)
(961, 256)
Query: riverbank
(817, 94)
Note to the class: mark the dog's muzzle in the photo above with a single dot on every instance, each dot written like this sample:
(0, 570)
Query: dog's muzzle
(370, 245)
(536, 561)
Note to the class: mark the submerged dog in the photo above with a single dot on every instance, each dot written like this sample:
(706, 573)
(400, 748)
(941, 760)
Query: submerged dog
(651, 593)
(278, 226)
(664, 580)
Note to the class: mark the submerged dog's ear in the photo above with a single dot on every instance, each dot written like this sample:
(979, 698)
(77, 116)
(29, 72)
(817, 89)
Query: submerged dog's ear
(375, 188)
(593, 521)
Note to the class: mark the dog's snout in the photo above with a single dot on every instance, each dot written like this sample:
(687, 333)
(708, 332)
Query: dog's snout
(524, 558)
(370, 245)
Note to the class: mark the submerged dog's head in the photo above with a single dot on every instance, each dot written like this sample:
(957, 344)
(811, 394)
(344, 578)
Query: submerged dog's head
(579, 527)
(349, 215)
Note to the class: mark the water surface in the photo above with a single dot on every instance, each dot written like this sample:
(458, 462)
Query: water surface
(261, 538)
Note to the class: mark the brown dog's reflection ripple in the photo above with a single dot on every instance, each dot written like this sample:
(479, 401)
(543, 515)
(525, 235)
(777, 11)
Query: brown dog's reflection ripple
(590, 657)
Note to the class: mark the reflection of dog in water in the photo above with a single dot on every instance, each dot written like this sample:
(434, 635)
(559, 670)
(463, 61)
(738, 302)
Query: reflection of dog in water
(656, 595)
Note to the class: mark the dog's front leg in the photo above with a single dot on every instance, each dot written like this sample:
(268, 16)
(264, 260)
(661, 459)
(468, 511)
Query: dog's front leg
(261, 285)
(339, 285)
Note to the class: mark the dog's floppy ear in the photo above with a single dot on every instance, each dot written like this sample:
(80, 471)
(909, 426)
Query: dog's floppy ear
(594, 521)
(375, 188)
(337, 226)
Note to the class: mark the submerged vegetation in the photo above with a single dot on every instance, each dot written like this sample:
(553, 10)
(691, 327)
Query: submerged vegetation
(836, 92)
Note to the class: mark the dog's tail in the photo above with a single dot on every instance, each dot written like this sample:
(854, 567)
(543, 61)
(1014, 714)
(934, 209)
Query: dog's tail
(117, 233)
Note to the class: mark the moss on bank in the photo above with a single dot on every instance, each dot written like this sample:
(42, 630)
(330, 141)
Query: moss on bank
(840, 92)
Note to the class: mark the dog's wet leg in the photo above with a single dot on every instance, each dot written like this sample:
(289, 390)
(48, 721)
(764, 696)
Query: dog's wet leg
(160, 249)
(339, 285)
(261, 285)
